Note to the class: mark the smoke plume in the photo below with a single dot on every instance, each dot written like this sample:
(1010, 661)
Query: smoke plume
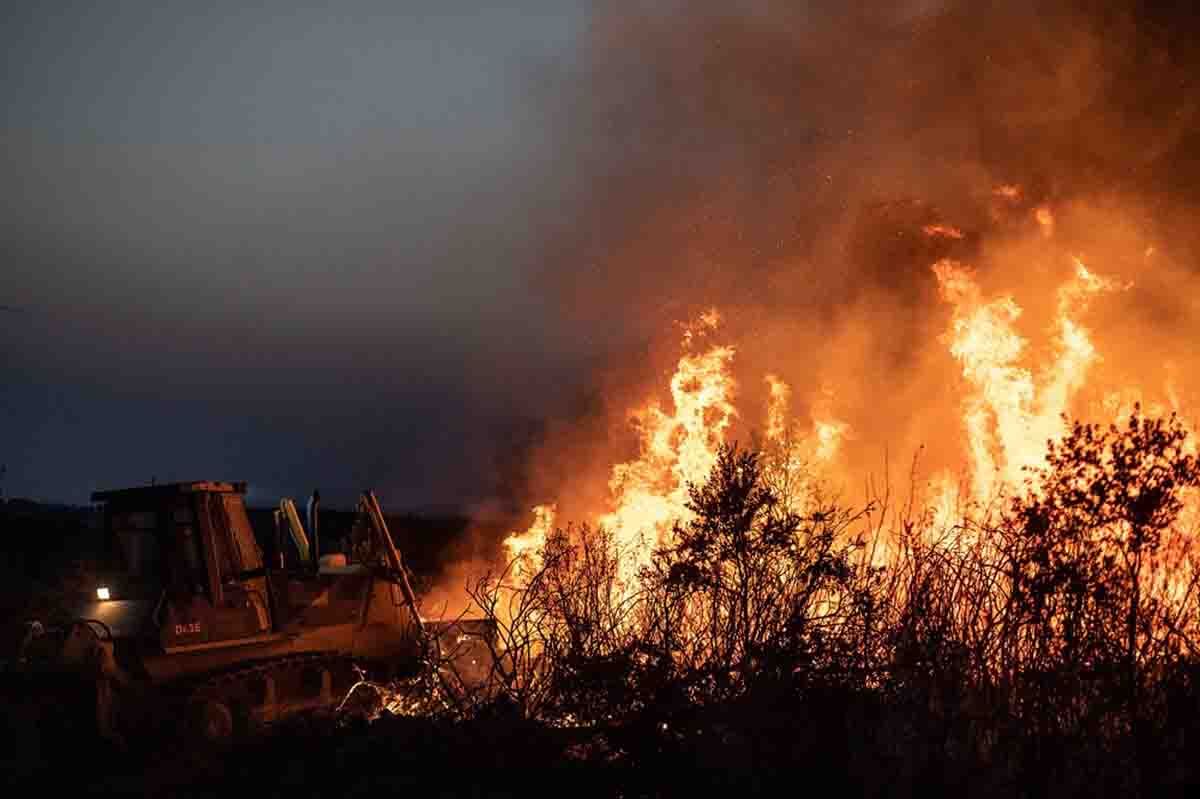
(801, 167)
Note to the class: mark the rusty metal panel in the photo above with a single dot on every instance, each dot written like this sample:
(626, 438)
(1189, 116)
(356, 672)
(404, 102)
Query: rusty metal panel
(216, 550)
(142, 493)
(241, 534)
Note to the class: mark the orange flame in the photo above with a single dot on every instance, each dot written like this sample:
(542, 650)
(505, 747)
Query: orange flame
(525, 549)
(1010, 409)
(1009, 414)
(777, 407)
(1045, 220)
(945, 231)
(678, 448)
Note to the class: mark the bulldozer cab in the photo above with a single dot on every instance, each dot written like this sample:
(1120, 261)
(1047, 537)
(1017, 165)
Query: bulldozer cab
(190, 549)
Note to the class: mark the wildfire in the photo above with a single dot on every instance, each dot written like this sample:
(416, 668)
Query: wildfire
(1011, 407)
(678, 447)
(945, 231)
(1045, 220)
(777, 407)
(1010, 413)
(829, 436)
(526, 550)
(795, 456)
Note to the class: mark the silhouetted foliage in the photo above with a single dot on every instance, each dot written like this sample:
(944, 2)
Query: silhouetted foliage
(1044, 646)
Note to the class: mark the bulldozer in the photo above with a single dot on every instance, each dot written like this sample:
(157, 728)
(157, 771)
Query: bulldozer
(188, 624)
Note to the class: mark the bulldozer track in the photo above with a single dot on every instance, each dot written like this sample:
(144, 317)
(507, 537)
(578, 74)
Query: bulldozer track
(253, 695)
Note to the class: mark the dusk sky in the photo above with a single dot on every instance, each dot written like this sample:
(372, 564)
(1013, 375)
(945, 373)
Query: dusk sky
(278, 242)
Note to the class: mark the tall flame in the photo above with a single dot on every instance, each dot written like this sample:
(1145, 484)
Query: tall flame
(1011, 408)
(678, 448)
(1009, 413)
(780, 394)
(525, 550)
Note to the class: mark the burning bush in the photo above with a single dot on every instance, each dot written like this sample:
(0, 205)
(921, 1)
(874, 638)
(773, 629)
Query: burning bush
(750, 590)
(1051, 641)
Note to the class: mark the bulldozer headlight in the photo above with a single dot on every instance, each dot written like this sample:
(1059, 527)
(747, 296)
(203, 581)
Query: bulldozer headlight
(103, 593)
